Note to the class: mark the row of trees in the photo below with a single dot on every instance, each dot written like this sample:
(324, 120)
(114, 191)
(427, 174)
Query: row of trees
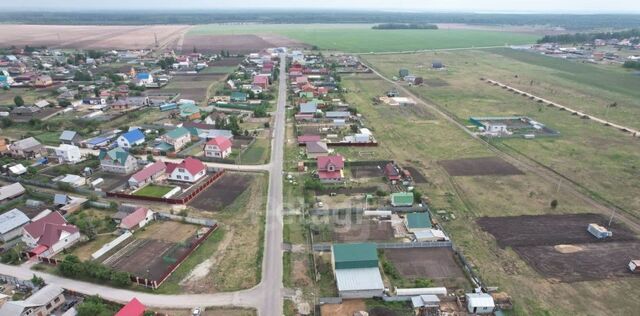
(72, 267)
(631, 64)
(404, 26)
(589, 37)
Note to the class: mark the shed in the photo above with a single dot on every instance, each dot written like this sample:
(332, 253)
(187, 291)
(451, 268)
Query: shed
(351, 256)
(11, 191)
(480, 303)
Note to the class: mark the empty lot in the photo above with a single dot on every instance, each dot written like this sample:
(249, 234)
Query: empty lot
(426, 263)
(223, 192)
(486, 166)
(537, 230)
(583, 262)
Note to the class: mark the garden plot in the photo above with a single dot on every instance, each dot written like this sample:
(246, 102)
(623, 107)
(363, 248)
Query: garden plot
(560, 248)
(154, 250)
(350, 228)
(359, 172)
(438, 264)
(485, 166)
(417, 176)
(223, 192)
(538, 230)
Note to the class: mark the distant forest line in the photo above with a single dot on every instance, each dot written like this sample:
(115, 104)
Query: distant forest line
(589, 37)
(570, 22)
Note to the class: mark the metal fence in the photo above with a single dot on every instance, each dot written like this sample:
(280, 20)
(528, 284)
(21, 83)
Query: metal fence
(50, 185)
(395, 245)
(190, 220)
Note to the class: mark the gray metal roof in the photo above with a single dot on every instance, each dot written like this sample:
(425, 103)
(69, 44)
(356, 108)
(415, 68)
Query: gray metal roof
(27, 143)
(11, 190)
(40, 298)
(67, 135)
(12, 220)
(359, 279)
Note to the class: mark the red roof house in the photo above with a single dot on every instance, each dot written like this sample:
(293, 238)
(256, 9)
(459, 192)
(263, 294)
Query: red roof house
(391, 172)
(138, 219)
(133, 308)
(218, 147)
(261, 81)
(50, 234)
(189, 170)
(303, 139)
(148, 174)
(330, 168)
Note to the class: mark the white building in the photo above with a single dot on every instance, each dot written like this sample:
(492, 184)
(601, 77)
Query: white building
(189, 170)
(480, 303)
(68, 154)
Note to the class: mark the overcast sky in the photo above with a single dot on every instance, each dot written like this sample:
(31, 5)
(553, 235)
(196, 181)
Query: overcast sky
(508, 6)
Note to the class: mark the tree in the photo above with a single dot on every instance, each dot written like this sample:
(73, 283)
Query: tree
(120, 278)
(71, 266)
(554, 204)
(18, 101)
(37, 281)
(94, 306)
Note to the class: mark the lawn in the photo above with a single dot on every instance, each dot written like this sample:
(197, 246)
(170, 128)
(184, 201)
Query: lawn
(361, 38)
(257, 153)
(153, 190)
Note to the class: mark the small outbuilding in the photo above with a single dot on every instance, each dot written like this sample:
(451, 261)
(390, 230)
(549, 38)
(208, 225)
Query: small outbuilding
(356, 270)
(402, 199)
(480, 303)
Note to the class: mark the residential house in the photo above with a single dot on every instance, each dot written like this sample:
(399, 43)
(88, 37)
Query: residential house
(49, 235)
(138, 219)
(148, 174)
(11, 224)
(68, 154)
(177, 138)
(143, 79)
(261, 81)
(330, 169)
(316, 149)
(70, 138)
(25, 111)
(189, 170)
(307, 138)
(41, 303)
(133, 308)
(11, 191)
(219, 147)
(130, 139)
(356, 271)
(416, 222)
(391, 172)
(238, 96)
(308, 108)
(43, 81)
(117, 160)
(26, 148)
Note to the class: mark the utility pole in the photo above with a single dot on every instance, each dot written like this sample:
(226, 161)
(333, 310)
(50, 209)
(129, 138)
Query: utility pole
(155, 35)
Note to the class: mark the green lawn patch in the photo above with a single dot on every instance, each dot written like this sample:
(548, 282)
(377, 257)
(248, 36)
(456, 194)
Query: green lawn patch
(153, 190)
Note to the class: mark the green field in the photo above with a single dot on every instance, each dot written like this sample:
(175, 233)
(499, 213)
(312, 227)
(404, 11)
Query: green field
(153, 190)
(360, 38)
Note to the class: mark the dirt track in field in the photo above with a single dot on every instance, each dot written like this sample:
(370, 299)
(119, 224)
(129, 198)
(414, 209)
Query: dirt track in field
(92, 36)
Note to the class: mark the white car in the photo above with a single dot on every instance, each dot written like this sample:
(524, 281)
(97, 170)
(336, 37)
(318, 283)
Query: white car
(196, 311)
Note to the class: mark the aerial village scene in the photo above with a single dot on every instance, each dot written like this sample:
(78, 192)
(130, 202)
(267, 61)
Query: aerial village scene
(210, 179)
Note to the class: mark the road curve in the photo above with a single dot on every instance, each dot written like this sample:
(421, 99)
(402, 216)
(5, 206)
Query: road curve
(266, 297)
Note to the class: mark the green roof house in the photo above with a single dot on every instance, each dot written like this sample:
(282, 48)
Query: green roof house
(402, 199)
(238, 96)
(177, 138)
(417, 221)
(356, 270)
(117, 160)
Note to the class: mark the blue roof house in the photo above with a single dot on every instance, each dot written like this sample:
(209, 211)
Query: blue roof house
(144, 78)
(131, 138)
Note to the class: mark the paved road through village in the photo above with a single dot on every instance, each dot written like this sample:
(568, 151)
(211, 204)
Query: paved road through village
(266, 297)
